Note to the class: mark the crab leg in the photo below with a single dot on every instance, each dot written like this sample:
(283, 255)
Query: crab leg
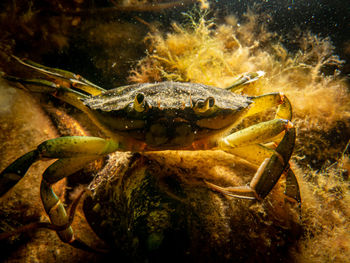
(62, 147)
(63, 77)
(44, 86)
(52, 204)
(271, 168)
(247, 144)
(256, 154)
(245, 79)
(65, 86)
(73, 153)
(258, 133)
(292, 186)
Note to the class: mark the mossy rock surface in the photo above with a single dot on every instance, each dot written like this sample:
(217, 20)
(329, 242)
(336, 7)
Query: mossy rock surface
(156, 208)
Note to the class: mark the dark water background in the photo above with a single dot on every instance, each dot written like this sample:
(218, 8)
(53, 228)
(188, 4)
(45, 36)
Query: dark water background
(322, 17)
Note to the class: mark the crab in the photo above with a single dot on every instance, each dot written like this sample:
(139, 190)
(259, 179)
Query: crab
(155, 117)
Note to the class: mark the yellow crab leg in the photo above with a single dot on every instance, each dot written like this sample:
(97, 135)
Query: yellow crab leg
(255, 153)
(269, 173)
(16, 170)
(271, 168)
(263, 102)
(258, 133)
(64, 91)
(246, 143)
(67, 95)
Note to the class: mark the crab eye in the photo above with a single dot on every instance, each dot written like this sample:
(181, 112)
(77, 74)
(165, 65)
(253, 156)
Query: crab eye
(140, 98)
(204, 105)
(140, 103)
(211, 101)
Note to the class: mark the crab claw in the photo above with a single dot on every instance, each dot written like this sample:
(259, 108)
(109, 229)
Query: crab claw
(269, 173)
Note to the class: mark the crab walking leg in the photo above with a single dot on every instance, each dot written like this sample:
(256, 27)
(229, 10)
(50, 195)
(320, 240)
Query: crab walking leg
(65, 94)
(63, 77)
(52, 204)
(62, 147)
(264, 181)
(73, 153)
(244, 79)
(257, 154)
(16, 170)
(272, 167)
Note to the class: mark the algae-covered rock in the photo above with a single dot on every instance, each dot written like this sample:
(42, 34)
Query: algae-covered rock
(156, 207)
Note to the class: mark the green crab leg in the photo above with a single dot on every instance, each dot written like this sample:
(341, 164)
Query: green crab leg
(257, 153)
(70, 79)
(246, 143)
(73, 153)
(65, 91)
(62, 147)
(15, 171)
(66, 86)
(36, 225)
(52, 204)
(67, 95)
(258, 133)
(272, 167)
(269, 174)
(44, 86)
